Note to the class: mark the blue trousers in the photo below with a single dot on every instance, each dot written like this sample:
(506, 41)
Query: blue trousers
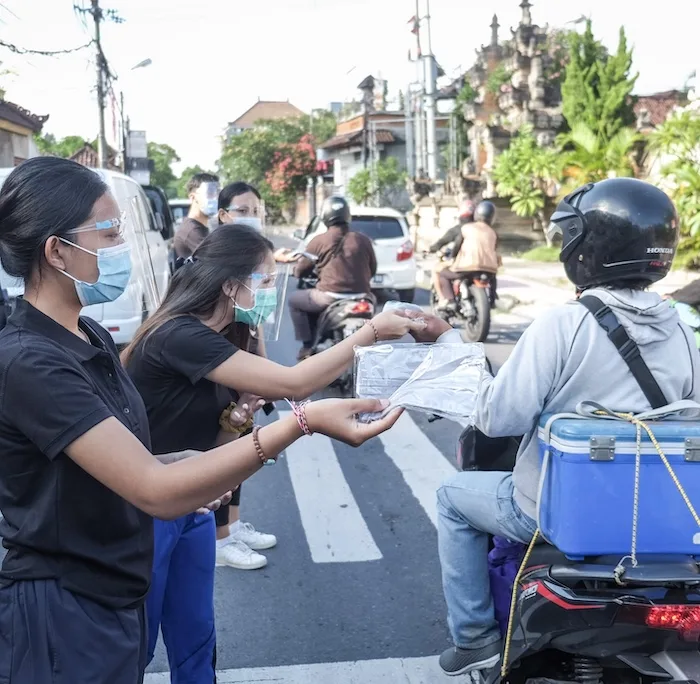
(181, 599)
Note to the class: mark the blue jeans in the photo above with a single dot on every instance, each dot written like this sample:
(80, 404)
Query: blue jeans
(472, 505)
(181, 599)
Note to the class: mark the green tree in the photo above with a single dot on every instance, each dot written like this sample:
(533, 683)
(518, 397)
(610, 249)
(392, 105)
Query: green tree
(524, 172)
(597, 88)
(255, 154)
(497, 79)
(591, 156)
(366, 186)
(178, 189)
(163, 157)
(321, 125)
(47, 144)
(678, 140)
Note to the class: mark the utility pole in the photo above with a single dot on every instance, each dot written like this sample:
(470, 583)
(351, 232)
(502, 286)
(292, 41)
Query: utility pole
(430, 81)
(419, 123)
(125, 132)
(99, 60)
(103, 73)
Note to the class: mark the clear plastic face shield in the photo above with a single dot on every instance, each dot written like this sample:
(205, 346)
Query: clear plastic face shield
(246, 210)
(259, 301)
(568, 224)
(207, 196)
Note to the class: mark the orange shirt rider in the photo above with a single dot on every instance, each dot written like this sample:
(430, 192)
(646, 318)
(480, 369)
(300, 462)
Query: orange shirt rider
(478, 251)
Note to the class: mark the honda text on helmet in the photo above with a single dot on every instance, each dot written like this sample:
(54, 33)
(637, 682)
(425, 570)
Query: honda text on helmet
(615, 230)
(485, 212)
(335, 212)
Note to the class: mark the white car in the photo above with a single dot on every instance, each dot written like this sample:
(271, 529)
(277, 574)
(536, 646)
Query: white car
(388, 230)
(149, 256)
(179, 208)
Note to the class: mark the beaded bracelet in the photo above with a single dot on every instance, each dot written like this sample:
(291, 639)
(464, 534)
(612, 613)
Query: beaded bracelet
(299, 410)
(374, 330)
(259, 450)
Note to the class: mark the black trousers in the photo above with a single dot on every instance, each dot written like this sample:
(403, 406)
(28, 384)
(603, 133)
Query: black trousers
(50, 636)
(221, 515)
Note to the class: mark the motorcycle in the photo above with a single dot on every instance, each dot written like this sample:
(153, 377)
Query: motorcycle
(572, 621)
(341, 319)
(474, 300)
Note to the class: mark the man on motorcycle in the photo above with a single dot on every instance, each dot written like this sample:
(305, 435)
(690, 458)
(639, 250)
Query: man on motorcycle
(477, 253)
(452, 237)
(619, 237)
(346, 265)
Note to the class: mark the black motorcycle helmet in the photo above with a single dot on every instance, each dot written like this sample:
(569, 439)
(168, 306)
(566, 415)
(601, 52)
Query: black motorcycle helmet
(335, 212)
(485, 212)
(620, 229)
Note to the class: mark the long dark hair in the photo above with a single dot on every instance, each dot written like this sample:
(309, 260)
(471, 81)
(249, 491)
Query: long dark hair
(43, 196)
(230, 253)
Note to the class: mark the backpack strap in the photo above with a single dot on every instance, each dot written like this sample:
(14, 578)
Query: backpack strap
(628, 349)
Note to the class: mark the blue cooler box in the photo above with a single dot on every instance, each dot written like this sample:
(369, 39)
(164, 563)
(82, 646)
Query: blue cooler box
(587, 497)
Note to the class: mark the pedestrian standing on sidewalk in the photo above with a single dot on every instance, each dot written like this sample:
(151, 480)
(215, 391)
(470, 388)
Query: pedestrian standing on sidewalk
(179, 360)
(238, 542)
(203, 191)
(78, 482)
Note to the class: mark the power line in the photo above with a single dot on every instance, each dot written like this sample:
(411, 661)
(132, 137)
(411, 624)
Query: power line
(43, 53)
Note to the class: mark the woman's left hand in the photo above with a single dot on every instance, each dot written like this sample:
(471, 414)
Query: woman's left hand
(216, 504)
(247, 405)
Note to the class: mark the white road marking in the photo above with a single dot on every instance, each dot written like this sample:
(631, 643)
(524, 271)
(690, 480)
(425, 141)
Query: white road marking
(387, 671)
(421, 463)
(334, 527)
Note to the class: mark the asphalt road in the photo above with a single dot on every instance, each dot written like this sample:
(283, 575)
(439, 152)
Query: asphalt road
(355, 576)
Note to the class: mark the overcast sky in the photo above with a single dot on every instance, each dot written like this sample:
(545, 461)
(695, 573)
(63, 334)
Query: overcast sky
(212, 59)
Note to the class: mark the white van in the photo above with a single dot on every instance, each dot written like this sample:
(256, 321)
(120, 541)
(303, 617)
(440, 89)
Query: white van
(149, 254)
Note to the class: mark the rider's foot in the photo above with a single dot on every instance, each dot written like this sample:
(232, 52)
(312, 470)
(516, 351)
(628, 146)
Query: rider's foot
(457, 661)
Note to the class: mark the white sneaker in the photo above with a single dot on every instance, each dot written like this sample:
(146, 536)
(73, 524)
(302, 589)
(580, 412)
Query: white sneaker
(258, 541)
(237, 555)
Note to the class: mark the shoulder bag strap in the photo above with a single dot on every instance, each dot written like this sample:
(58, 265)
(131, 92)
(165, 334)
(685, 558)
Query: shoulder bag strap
(628, 349)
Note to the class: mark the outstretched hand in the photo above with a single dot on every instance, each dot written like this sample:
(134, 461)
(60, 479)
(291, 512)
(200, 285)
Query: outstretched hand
(434, 326)
(337, 418)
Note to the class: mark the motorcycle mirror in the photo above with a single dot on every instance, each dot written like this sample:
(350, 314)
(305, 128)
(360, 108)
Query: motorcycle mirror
(307, 255)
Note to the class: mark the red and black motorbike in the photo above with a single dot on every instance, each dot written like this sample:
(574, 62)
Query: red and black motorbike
(573, 622)
(474, 299)
(341, 319)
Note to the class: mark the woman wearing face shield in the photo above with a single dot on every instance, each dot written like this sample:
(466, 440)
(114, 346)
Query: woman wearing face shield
(79, 486)
(238, 543)
(180, 360)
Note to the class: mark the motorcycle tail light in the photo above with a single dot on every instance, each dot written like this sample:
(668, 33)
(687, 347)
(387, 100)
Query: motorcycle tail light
(684, 619)
(361, 307)
(405, 251)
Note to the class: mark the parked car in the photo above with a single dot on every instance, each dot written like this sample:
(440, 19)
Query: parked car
(149, 257)
(388, 230)
(179, 208)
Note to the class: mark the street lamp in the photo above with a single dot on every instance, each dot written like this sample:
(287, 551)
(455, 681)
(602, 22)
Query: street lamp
(125, 121)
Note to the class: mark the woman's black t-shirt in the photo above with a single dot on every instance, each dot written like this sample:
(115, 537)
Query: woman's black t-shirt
(169, 369)
(59, 522)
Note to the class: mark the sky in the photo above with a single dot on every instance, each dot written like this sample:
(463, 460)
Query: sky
(213, 59)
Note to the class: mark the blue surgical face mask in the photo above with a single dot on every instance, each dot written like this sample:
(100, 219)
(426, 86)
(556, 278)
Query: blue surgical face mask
(264, 306)
(114, 272)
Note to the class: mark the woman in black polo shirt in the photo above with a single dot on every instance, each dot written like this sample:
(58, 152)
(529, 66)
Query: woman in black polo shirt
(179, 360)
(78, 483)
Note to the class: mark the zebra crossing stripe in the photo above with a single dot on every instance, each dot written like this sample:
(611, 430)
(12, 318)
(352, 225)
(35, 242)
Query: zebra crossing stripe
(422, 465)
(405, 670)
(334, 527)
